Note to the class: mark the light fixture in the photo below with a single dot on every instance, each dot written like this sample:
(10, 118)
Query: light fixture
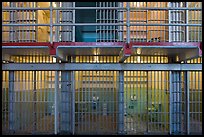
(138, 59)
(138, 51)
(54, 5)
(54, 59)
(95, 59)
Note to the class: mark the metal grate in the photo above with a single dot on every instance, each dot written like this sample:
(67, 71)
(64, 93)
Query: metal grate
(146, 105)
(33, 98)
(96, 107)
(33, 59)
(115, 21)
(195, 102)
(107, 33)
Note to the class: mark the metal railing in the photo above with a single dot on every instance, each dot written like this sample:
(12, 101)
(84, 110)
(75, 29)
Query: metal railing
(134, 21)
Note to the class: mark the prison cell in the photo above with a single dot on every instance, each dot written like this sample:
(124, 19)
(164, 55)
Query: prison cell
(106, 100)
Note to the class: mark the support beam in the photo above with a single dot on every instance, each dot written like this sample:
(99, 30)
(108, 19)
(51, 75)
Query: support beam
(34, 102)
(125, 52)
(121, 103)
(11, 102)
(72, 90)
(175, 102)
(65, 102)
(187, 105)
(56, 102)
(102, 67)
(12, 34)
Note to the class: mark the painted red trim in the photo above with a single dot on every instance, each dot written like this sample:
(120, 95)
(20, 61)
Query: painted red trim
(127, 48)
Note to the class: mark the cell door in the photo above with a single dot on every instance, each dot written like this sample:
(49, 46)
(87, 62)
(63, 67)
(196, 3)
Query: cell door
(96, 102)
(146, 102)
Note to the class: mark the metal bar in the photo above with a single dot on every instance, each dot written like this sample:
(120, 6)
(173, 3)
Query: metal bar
(175, 102)
(12, 20)
(51, 23)
(128, 23)
(187, 105)
(170, 102)
(103, 8)
(104, 24)
(73, 29)
(73, 99)
(34, 101)
(57, 21)
(11, 102)
(121, 103)
(65, 101)
(107, 66)
(187, 22)
(56, 102)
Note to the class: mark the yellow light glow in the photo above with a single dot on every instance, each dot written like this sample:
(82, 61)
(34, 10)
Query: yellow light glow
(54, 4)
(138, 51)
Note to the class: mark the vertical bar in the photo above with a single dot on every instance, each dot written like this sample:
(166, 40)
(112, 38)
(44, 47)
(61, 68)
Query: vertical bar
(73, 97)
(170, 19)
(121, 103)
(11, 102)
(56, 101)
(175, 102)
(34, 101)
(147, 100)
(187, 28)
(57, 21)
(65, 101)
(128, 23)
(73, 18)
(51, 23)
(187, 112)
(170, 103)
(12, 20)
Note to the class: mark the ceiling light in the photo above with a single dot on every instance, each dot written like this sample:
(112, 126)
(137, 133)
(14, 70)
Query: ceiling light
(54, 4)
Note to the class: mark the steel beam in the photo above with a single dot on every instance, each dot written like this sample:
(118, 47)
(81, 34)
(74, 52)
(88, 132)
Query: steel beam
(107, 66)
(34, 102)
(187, 104)
(103, 8)
(11, 102)
(65, 102)
(125, 52)
(175, 102)
(56, 102)
(128, 23)
(103, 24)
(121, 103)
(72, 90)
